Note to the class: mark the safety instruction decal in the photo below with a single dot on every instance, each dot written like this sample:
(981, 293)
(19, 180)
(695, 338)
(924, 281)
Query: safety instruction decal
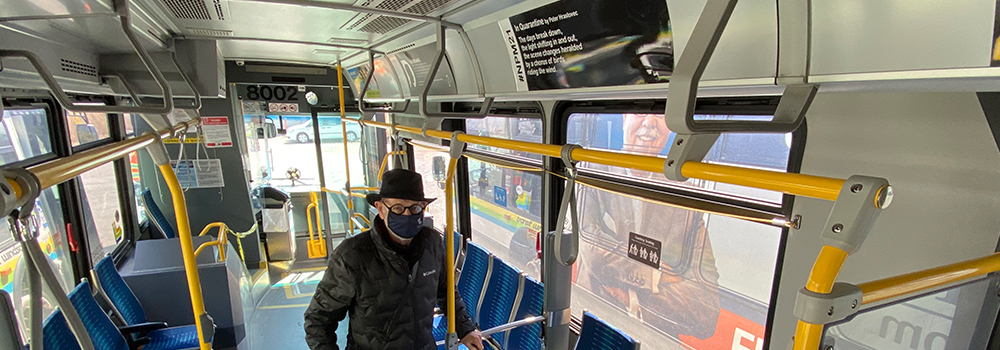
(204, 173)
(216, 131)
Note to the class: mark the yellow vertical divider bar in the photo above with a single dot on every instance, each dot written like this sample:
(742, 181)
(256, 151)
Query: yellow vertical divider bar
(824, 274)
(449, 266)
(343, 137)
(187, 251)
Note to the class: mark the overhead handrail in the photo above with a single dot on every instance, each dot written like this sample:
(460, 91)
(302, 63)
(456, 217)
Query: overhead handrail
(122, 9)
(484, 110)
(364, 90)
(795, 184)
(196, 104)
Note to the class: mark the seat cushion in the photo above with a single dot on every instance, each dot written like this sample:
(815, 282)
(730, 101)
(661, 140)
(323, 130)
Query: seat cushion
(173, 338)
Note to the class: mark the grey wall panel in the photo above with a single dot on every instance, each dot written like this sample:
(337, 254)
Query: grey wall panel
(893, 35)
(937, 151)
(207, 205)
(749, 46)
(493, 58)
(461, 63)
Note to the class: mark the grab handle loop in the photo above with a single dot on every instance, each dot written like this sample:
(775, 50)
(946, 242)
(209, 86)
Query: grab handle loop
(568, 204)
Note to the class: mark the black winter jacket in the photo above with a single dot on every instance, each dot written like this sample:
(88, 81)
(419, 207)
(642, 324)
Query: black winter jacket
(391, 306)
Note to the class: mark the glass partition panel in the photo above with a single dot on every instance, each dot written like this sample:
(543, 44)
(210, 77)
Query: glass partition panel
(432, 165)
(939, 320)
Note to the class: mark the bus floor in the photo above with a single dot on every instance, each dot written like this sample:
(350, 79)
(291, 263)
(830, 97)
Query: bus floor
(281, 299)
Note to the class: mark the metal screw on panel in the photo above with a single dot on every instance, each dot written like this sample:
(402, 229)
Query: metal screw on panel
(830, 312)
(829, 347)
(854, 305)
(837, 228)
(856, 188)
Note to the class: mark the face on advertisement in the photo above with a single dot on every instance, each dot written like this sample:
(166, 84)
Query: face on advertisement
(645, 133)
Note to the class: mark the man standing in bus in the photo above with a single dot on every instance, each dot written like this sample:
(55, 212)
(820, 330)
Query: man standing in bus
(681, 296)
(387, 279)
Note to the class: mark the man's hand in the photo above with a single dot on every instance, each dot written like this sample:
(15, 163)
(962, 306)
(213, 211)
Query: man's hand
(473, 340)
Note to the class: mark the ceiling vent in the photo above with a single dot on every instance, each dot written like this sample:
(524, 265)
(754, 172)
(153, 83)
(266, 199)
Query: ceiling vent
(209, 32)
(380, 24)
(343, 41)
(333, 52)
(404, 47)
(199, 10)
(77, 67)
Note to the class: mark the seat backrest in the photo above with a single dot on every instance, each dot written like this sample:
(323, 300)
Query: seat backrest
(156, 216)
(532, 299)
(597, 334)
(475, 272)
(121, 296)
(102, 331)
(56, 334)
(10, 335)
(501, 292)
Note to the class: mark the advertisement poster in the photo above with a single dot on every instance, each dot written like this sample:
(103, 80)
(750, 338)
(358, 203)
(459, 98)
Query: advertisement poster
(573, 44)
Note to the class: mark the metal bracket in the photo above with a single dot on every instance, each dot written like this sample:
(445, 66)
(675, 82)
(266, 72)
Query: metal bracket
(451, 342)
(207, 333)
(158, 151)
(122, 9)
(686, 147)
(364, 90)
(456, 146)
(559, 317)
(30, 189)
(484, 110)
(818, 308)
(860, 201)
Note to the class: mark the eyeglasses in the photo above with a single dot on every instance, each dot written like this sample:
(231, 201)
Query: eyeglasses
(398, 209)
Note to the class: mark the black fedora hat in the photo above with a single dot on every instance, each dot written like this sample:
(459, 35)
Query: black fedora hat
(400, 184)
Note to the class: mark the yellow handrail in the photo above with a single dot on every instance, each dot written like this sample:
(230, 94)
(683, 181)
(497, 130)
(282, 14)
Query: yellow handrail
(449, 198)
(918, 281)
(385, 160)
(364, 219)
(313, 206)
(824, 274)
(187, 251)
(790, 183)
(347, 160)
(221, 241)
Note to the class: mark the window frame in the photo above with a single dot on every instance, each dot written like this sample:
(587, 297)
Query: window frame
(764, 105)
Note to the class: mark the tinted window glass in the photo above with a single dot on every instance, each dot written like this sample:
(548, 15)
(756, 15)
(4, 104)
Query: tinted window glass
(648, 134)
(87, 127)
(432, 165)
(24, 133)
(102, 210)
(520, 129)
(506, 208)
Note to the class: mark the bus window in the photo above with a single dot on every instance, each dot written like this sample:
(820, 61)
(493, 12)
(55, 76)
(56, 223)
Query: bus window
(519, 129)
(51, 238)
(424, 160)
(102, 210)
(506, 210)
(85, 128)
(681, 276)
(648, 134)
(24, 134)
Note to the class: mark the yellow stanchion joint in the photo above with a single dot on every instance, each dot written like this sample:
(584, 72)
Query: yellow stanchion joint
(316, 247)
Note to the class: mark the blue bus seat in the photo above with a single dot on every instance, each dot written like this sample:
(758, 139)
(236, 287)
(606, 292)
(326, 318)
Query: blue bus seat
(102, 331)
(155, 215)
(128, 308)
(10, 335)
(56, 334)
(599, 335)
(504, 287)
(471, 285)
(528, 337)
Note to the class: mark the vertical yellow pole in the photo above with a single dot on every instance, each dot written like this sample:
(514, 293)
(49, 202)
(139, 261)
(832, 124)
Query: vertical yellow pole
(347, 162)
(449, 197)
(187, 250)
(824, 274)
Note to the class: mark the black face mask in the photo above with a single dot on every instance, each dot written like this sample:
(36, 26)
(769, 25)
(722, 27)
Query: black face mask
(404, 226)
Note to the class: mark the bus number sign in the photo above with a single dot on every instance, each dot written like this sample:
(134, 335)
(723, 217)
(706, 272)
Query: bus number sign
(271, 93)
(644, 249)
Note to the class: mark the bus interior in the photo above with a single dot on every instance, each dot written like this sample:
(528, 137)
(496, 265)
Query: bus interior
(655, 174)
